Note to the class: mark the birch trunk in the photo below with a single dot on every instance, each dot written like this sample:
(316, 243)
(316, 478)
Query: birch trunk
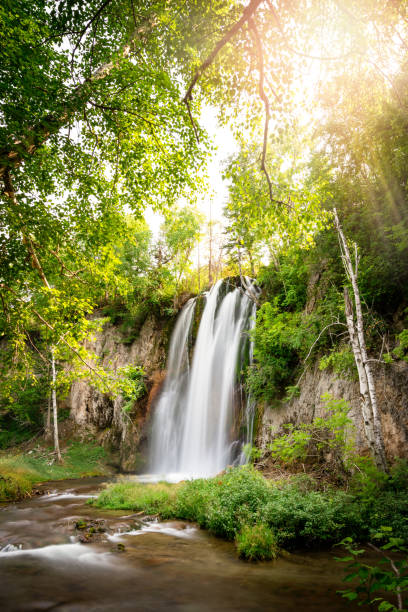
(54, 406)
(369, 405)
(362, 377)
(48, 423)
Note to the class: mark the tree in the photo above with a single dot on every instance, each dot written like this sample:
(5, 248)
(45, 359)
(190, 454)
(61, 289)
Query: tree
(180, 231)
(369, 407)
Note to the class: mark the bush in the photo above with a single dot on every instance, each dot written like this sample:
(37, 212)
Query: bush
(323, 441)
(310, 518)
(261, 515)
(224, 503)
(256, 542)
(132, 385)
(341, 361)
(281, 339)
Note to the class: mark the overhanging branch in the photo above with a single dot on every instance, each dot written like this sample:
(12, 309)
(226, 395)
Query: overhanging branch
(38, 134)
(246, 15)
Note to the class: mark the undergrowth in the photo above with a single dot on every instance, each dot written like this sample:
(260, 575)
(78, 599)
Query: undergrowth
(18, 473)
(261, 515)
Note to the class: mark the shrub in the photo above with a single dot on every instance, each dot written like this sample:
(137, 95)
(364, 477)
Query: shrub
(224, 503)
(310, 518)
(132, 385)
(242, 505)
(21, 412)
(320, 440)
(341, 361)
(256, 542)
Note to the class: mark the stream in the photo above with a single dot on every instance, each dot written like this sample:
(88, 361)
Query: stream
(120, 561)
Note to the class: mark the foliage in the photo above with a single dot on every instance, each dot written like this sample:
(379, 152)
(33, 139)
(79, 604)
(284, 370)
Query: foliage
(18, 473)
(324, 440)
(375, 580)
(280, 339)
(341, 362)
(295, 511)
(132, 385)
(256, 224)
(180, 232)
(22, 411)
(256, 543)
(401, 351)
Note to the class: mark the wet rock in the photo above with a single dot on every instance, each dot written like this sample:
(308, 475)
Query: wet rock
(90, 530)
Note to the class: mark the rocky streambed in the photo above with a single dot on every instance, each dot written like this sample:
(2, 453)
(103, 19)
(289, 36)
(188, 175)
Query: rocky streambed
(58, 553)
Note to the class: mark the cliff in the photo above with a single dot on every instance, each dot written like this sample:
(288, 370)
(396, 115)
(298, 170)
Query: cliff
(392, 393)
(103, 415)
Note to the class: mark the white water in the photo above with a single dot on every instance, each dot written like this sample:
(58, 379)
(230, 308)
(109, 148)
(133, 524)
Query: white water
(195, 426)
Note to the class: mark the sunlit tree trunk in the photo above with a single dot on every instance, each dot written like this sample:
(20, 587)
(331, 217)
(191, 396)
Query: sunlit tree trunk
(369, 405)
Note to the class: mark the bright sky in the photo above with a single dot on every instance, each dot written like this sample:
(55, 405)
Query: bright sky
(226, 145)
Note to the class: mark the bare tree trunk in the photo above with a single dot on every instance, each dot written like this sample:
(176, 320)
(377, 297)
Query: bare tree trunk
(54, 406)
(369, 406)
(48, 422)
(362, 377)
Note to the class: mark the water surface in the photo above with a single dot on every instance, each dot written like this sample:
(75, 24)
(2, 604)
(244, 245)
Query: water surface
(139, 565)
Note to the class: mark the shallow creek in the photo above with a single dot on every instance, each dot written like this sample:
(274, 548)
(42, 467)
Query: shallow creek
(128, 563)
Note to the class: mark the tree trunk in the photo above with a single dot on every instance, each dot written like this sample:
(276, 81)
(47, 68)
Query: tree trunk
(362, 377)
(369, 406)
(48, 422)
(54, 406)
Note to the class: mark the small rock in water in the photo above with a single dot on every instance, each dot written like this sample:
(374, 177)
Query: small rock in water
(90, 529)
(81, 525)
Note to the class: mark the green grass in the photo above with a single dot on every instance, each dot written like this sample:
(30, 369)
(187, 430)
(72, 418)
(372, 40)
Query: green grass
(261, 515)
(19, 472)
(257, 543)
(150, 498)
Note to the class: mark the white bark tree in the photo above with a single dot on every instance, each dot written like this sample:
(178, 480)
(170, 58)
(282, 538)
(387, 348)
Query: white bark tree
(355, 325)
(55, 405)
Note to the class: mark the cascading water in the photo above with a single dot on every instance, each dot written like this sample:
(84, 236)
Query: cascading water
(194, 430)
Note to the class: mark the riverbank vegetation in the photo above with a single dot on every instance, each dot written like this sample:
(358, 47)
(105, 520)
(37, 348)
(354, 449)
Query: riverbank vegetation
(20, 471)
(295, 512)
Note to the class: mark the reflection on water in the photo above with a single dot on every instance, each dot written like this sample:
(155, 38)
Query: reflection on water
(173, 566)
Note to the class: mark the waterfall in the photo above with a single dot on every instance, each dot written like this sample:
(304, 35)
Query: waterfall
(195, 431)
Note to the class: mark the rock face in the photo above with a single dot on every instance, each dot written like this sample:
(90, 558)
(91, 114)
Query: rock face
(103, 414)
(392, 393)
